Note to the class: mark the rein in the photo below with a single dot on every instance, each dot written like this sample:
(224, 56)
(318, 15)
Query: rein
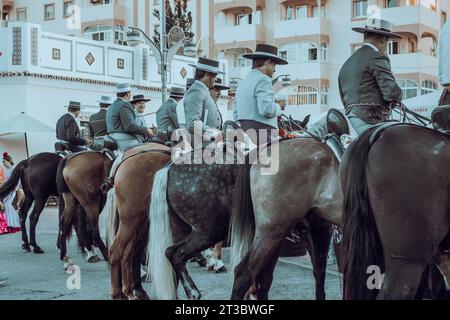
(301, 128)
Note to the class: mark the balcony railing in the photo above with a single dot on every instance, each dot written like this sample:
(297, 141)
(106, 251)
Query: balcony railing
(301, 27)
(414, 63)
(241, 33)
(103, 12)
(411, 15)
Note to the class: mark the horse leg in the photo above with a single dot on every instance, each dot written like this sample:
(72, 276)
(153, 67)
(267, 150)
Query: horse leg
(138, 290)
(402, 278)
(318, 243)
(265, 247)
(116, 273)
(265, 278)
(66, 221)
(92, 213)
(39, 205)
(23, 212)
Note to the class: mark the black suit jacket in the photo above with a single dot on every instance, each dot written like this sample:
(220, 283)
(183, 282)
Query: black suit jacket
(97, 124)
(67, 130)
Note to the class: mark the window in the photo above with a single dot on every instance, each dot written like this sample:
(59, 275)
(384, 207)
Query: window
(360, 9)
(392, 3)
(68, 8)
(21, 14)
(303, 95)
(324, 96)
(302, 12)
(289, 13)
(316, 11)
(243, 19)
(428, 87)
(443, 18)
(49, 11)
(323, 52)
(300, 52)
(409, 88)
(105, 33)
(430, 4)
(393, 47)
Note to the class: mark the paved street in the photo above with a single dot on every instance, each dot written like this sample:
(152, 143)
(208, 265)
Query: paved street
(43, 277)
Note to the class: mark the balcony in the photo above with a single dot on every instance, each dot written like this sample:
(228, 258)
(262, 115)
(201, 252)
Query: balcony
(240, 33)
(305, 70)
(414, 63)
(410, 16)
(103, 12)
(301, 27)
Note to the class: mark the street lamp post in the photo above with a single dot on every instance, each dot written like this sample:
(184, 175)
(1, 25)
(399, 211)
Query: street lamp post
(286, 79)
(163, 48)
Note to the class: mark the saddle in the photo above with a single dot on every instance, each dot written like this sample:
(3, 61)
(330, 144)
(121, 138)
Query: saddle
(440, 118)
(62, 149)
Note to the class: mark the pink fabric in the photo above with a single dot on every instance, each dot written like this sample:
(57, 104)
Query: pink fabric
(3, 223)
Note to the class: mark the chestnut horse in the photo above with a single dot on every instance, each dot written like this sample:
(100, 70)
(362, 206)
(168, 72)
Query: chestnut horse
(128, 225)
(79, 180)
(396, 188)
(192, 205)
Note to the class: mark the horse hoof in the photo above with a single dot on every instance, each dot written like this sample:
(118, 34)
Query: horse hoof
(93, 259)
(202, 263)
(38, 250)
(141, 295)
(223, 269)
(119, 296)
(26, 247)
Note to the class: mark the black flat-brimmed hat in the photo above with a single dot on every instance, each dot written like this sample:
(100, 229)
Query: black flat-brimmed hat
(75, 105)
(378, 26)
(219, 85)
(266, 51)
(207, 65)
(138, 98)
(177, 92)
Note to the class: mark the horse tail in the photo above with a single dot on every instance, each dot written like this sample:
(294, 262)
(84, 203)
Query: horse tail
(63, 188)
(160, 238)
(110, 209)
(242, 222)
(60, 181)
(361, 242)
(11, 184)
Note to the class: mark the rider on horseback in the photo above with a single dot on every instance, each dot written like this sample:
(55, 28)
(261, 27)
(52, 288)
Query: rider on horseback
(254, 105)
(366, 83)
(138, 103)
(121, 120)
(67, 130)
(166, 116)
(97, 123)
(202, 116)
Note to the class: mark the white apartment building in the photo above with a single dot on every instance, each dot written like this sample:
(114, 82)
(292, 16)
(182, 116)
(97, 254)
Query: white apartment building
(315, 36)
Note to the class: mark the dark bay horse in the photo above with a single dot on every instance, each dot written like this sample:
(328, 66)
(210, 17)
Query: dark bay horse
(37, 175)
(305, 188)
(79, 180)
(396, 186)
(128, 205)
(192, 205)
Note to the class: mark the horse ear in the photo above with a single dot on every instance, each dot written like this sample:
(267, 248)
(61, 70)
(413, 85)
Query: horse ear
(306, 121)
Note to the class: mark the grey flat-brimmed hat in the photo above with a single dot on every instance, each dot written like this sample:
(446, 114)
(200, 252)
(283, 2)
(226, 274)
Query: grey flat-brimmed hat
(123, 87)
(378, 26)
(139, 98)
(219, 85)
(177, 92)
(266, 51)
(74, 105)
(105, 100)
(207, 65)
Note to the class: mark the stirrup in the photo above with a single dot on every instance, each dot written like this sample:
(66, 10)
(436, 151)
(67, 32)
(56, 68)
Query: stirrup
(333, 141)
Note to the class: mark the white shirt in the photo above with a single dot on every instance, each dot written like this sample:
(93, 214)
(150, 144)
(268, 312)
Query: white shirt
(371, 45)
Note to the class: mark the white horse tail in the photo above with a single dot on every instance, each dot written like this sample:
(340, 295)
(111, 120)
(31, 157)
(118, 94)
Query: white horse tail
(160, 238)
(242, 222)
(110, 209)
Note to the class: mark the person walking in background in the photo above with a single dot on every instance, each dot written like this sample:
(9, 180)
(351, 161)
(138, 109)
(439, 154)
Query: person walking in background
(12, 217)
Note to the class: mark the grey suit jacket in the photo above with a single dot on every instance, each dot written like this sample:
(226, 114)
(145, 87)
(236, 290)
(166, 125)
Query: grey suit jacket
(366, 77)
(166, 116)
(200, 109)
(121, 118)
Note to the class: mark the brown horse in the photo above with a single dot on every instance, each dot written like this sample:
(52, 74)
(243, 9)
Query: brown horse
(396, 209)
(128, 225)
(304, 189)
(79, 179)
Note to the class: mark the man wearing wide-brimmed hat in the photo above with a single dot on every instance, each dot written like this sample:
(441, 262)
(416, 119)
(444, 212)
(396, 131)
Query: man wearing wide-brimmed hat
(97, 122)
(366, 83)
(200, 109)
(166, 116)
(138, 103)
(254, 105)
(216, 92)
(121, 120)
(67, 129)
